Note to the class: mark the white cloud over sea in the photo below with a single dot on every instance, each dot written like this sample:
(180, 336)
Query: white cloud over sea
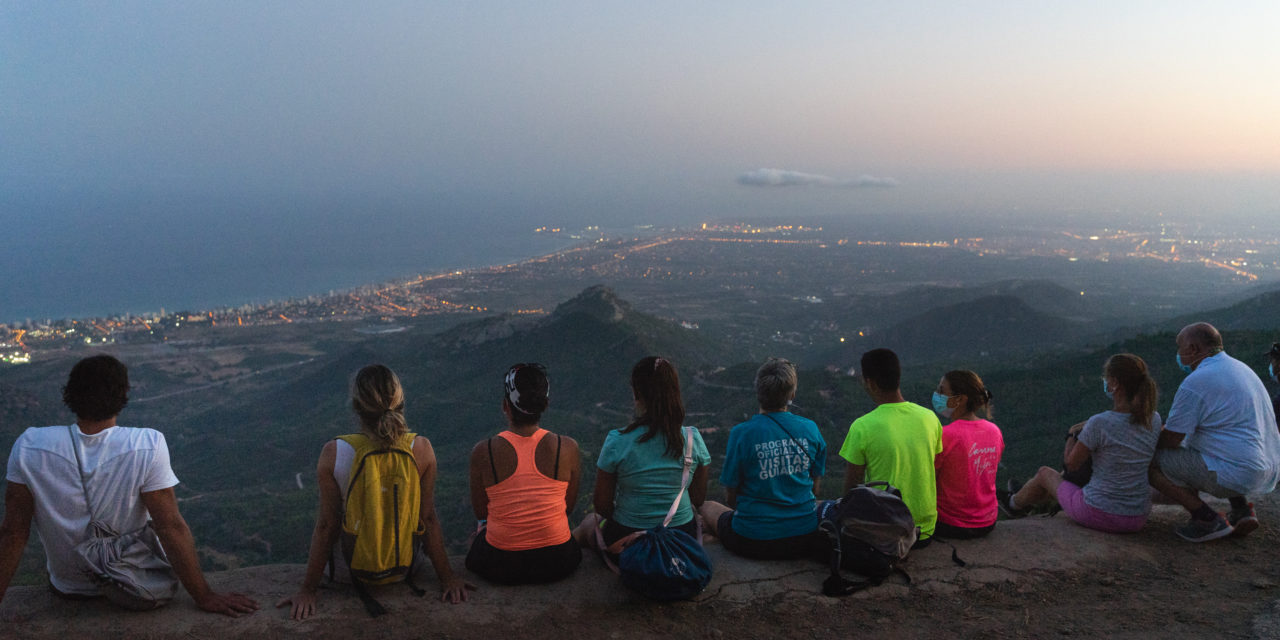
(788, 178)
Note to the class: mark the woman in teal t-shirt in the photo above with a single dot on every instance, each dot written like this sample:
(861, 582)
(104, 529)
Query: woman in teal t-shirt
(640, 466)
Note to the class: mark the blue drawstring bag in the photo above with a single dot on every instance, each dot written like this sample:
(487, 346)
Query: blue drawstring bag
(661, 563)
(665, 564)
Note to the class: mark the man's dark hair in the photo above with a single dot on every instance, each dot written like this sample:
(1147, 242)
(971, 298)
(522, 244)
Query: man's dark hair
(881, 367)
(97, 389)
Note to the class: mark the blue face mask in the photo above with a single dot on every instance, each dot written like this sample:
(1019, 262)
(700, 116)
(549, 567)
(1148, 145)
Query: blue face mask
(1271, 370)
(1186, 368)
(940, 405)
(1111, 395)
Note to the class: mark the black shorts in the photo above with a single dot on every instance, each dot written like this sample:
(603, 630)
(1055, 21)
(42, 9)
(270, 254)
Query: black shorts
(950, 532)
(531, 566)
(808, 545)
(612, 531)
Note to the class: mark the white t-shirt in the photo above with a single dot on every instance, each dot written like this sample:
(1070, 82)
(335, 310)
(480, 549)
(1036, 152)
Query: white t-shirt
(120, 464)
(345, 454)
(1225, 412)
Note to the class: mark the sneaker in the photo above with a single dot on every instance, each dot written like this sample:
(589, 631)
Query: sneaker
(1204, 531)
(1243, 521)
(1002, 499)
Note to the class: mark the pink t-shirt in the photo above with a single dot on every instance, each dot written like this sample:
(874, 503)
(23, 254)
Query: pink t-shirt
(966, 468)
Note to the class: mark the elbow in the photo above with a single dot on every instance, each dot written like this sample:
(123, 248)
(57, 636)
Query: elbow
(328, 526)
(11, 537)
(171, 528)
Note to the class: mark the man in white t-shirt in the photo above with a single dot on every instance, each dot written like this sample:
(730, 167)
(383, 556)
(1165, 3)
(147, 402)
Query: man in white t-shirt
(126, 475)
(1220, 438)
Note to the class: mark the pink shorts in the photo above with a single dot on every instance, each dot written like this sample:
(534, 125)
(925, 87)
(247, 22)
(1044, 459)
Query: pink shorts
(1071, 497)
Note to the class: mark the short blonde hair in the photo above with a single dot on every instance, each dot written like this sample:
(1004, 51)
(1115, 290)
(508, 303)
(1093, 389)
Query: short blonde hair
(776, 381)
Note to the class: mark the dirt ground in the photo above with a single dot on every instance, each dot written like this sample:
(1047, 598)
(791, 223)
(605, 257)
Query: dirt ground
(1032, 578)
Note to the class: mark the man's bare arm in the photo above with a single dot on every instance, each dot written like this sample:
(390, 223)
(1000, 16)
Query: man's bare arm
(19, 509)
(854, 475)
(1170, 439)
(180, 546)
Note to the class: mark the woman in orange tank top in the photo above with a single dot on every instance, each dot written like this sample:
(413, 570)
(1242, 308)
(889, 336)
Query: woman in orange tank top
(524, 483)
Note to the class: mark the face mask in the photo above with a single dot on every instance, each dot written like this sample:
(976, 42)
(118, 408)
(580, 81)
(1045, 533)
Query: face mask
(1186, 368)
(1111, 395)
(940, 405)
(1271, 369)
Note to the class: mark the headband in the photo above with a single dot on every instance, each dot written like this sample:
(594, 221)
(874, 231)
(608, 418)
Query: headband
(509, 384)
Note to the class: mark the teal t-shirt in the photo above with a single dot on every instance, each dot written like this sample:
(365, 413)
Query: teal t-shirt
(648, 478)
(773, 474)
(897, 443)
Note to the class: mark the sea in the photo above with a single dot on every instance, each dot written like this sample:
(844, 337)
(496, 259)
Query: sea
(77, 258)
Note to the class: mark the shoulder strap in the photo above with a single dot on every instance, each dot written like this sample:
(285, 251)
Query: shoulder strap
(94, 523)
(797, 445)
(685, 476)
(555, 471)
(492, 467)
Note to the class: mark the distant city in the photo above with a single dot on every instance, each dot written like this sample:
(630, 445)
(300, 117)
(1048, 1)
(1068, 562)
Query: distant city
(1241, 260)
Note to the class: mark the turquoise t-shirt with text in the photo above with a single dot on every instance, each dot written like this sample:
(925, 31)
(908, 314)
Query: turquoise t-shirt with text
(773, 475)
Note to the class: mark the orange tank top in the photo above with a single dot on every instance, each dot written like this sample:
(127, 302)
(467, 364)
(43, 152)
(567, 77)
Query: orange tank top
(526, 509)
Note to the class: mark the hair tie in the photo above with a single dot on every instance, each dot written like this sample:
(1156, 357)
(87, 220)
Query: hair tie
(656, 362)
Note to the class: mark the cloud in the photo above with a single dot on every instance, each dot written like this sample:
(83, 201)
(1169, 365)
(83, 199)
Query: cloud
(786, 178)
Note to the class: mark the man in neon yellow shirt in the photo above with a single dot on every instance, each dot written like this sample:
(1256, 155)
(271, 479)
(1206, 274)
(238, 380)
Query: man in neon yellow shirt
(896, 442)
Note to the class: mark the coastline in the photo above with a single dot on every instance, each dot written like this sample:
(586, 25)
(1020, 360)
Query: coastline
(163, 310)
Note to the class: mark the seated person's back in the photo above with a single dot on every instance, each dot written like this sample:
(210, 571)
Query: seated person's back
(896, 442)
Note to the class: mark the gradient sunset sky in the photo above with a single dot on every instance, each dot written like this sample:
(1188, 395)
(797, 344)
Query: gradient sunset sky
(663, 111)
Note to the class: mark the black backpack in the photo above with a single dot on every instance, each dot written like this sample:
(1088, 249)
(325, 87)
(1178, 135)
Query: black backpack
(870, 532)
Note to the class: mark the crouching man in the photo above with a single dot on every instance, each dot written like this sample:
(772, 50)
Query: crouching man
(54, 472)
(1220, 438)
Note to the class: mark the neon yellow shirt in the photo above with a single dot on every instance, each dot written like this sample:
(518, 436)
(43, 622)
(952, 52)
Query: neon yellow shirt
(897, 443)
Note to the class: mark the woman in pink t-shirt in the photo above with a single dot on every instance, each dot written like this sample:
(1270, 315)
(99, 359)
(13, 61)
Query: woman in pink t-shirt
(971, 449)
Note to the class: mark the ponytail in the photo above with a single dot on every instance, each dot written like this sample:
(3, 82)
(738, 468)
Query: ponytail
(656, 386)
(378, 400)
(1138, 385)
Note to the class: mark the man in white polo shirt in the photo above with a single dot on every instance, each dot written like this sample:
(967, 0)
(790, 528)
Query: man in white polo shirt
(1220, 438)
(125, 471)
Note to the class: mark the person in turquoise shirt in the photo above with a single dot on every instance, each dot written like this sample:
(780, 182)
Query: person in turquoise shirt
(772, 466)
(895, 443)
(641, 465)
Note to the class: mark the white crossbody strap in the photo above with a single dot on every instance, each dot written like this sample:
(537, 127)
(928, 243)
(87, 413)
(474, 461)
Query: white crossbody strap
(685, 476)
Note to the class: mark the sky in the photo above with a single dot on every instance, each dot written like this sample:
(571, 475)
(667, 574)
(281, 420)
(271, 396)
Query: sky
(627, 112)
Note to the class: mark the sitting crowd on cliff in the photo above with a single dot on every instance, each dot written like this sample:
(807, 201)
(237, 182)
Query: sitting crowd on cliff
(92, 481)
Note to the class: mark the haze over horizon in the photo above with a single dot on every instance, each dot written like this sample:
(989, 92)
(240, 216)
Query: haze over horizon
(282, 117)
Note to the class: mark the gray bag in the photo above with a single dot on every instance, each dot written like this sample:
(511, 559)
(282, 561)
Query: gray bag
(131, 569)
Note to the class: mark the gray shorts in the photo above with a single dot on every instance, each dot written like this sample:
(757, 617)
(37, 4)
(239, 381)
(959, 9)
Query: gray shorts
(1186, 468)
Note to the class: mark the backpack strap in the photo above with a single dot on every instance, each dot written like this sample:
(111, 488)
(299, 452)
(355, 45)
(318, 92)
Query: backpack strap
(372, 606)
(836, 586)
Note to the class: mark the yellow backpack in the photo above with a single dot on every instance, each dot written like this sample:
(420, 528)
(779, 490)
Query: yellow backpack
(381, 528)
